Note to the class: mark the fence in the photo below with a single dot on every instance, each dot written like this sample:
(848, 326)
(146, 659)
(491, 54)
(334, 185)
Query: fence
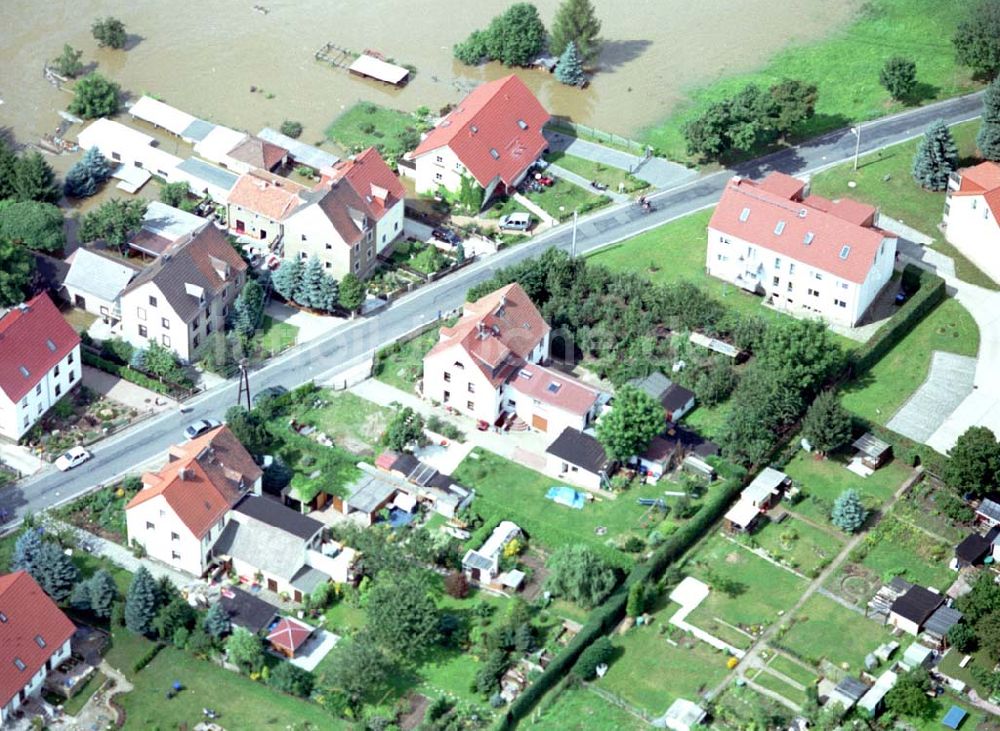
(585, 132)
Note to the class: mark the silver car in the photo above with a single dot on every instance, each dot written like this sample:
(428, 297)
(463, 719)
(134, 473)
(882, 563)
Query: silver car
(196, 428)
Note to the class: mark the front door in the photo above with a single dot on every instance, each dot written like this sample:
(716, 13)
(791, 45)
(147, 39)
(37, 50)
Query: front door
(272, 585)
(240, 226)
(539, 422)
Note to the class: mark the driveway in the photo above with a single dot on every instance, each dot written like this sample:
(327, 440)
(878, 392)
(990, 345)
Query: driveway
(949, 382)
(656, 171)
(128, 394)
(310, 326)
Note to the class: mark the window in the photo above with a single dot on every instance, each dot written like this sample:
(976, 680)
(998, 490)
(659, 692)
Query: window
(165, 323)
(472, 388)
(789, 286)
(39, 640)
(72, 377)
(174, 556)
(438, 176)
(779, 227)
(974, 204)
(194, 342)
(777, 262)
(819, 277)
(814, 292)
(438, 158)
(152, 301)
(370, 250)
(447, 397)
(776, 281)
(843, 285)
(26, 422)
(357, 266)
(328, 248)
(140, 313)
(3, 618)
(69, 360)
(56, 371)
(744, 215)
(459, 365)
(303, 237)
(357, 248)
(723, 257)
(58, 389)
(447, 377)
(208, 326)
(166, 341)
(494, 154)
(395, 226)
(470, 405)
(845, 251)
(791, 268)
(174, 536)
(840, 303)
(723, 239)
(328, 265)
(38, 390)
(142, 331)
(150, 526)
(303, 255)
(24, 402)
(808, 238)
(19, 664)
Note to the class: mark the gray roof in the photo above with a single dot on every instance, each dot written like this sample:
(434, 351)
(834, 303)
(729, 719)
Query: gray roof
(943, 619)
(369, 492)
(246, 610)
(476, 560)
(764, 484)
(271, 512)
(676, 397)
(169, 222)
(99, 275)
(300, 152)
(211, 174)
(852, 688)
(871, 445)
(197, 130)
(579, 449)
(262, 546)
(655, 384)
(989, 508)
(307, 578)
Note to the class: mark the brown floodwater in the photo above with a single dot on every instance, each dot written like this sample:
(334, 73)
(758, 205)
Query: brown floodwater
(205, 56)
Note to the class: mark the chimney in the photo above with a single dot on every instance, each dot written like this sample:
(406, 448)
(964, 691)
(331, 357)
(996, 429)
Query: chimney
(184, 473)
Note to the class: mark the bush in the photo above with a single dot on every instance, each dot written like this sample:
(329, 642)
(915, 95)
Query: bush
(291, 679)
(291, 128)
(598, 653)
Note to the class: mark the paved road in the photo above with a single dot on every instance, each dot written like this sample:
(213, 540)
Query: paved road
(353, 342)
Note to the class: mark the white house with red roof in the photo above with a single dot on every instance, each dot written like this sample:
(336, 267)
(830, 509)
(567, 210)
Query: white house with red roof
(34, 639)
(40, 357)
(971, 214)
(804, 253)
(352, 216)
(493, 135)
(489, 366)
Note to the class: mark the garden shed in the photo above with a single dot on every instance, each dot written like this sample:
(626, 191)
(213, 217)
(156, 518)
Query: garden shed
(872, 451)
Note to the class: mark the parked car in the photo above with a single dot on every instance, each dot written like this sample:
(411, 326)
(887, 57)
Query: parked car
(197, 428)
(515, 222)
(446, 235)
(901, 297)
(544, 180)
(269, 392)
(74, 457)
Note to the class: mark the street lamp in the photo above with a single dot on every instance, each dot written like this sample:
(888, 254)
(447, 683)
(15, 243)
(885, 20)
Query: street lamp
(574, 235)
(857, 143)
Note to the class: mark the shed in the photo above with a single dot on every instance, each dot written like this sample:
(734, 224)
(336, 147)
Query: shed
(911, 610)
(742, 517)
(300, 152)
(693, 463)
(973, 549)
(162, 115)
(373, 67)
(95, 282)
(579, 457)
(916, 656)
(988, 512)
(873, 451)
(716, 346)
(677, 401)
(848, 692)
(954, 717)
(871, 702)
(943, 619)
(247, 611)
(766, 488)
(288, 635)
(369, 495)
(683, 715)
(206, 179)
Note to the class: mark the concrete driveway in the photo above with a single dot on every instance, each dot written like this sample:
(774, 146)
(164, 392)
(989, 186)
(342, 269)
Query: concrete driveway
(949, 382)
(656, 171)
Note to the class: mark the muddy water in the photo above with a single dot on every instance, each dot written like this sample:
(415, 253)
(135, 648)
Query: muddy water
(204, 56)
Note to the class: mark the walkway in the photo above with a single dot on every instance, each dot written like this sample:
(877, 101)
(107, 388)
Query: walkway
(689, 594)
(98, 712)
(546, 219)
(581, 182)
(949, 382)
(123, 392)
(656, 171)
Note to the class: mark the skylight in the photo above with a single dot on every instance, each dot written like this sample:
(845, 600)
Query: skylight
(525, 373)
(745, 214)
(474, 129)
(39, 640)
(779, 227)
(51, 346)
(19, 664)
(3, 618)
(494, 154)
(554, 387)
(24, 371)
(522, 124)
(808, 238)
(845, 251)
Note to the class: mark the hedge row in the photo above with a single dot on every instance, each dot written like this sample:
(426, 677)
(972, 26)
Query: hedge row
(930, 293)
(906, 450)
(126, 373)
(603, 619)
(147, 657)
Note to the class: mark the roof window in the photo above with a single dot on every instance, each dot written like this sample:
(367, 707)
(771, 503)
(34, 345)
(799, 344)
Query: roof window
(554, 387)
(474, 129)
(779, 227)
(19, 664)
(744, 214)
(24, 371)
(808, 238)
(522, 124)
(3, 618)
(844, 251)
(525, 373)
(50, 345)
(494, 154)
(39, 640)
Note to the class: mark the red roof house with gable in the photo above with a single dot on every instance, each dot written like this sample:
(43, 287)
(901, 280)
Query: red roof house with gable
(39, 363)
(490, 367)
(802, 252)
(493, 135)
(34, 639)
(971, 215)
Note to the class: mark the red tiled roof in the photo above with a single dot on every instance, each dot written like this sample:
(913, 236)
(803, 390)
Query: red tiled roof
(553, 388)
(204, 479)
(982, 179)
(269, 195)
(386, 460)
(289, 634)
(783, 186)
(484, 130)
(34, 337)
(27, 614)
(498, 331)
(257, 152)
(829, 226)
(374, 182)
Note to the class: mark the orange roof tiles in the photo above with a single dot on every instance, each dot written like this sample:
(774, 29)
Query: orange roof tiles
(553, 388)
(373, 181)
(496, 131)
(33, 339)
(982, 179)
(203, 480)
(32, 629)
(752, 212)
(289, 634)
(268, 195)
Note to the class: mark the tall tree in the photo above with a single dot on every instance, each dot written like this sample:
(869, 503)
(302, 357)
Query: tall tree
(973, 464)
(600, 652)
(515, 38)
(352, 292)
(849, 513)
(109, 32)
(103, 592)
(936, 157)
(329, 294)
(402, 616)
(68, 64)
(54, 571)
(8, 167)
(310, 291)
(95, 96)
(579, 575)
(635, 418)
(34, 180)
(174, 615)
(359, 667)
(569, 70)
(792, 102)
(908, 697)
(16, 267)
(827, 425)
(406, 428)
(988, 138)
(245, 650)
(216, 621)
(174, 194)
(977, 39)
(114, 221)
(32, 224)
(247, 308)
(84, 177)
(26, 550)
(249, 428)
(286, 279)
(141, 602)
(576, 22)
(802, 353)
(899, 77)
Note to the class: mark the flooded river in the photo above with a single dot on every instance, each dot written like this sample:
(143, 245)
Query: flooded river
(205, 56)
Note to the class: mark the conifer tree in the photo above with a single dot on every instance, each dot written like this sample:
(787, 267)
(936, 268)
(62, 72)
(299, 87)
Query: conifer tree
(569, 70)
(216, 621)
(141, 602)
(849, 513)
(103, 592)
(576, 21)
(988, 139)
(310, 291)
(286, 279)
(936, 158)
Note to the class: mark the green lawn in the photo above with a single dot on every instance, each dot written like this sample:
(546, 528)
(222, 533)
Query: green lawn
(275, 336)
(610, 176)
(823, 629)
(425, 258)
(579, 709)
(354, 423)
(779, 686)
(366, 125)
(402, 364)
(792, 669)
(241, 702)
(896, 548)
(949, 666)
(652, 673)
(822, 481)
(883, 179)
(845, 67)
(562, 198)
(707, 420)
(761, 589)
(879, 393)
(507, 490)
(504, 207)
(941, 707)
(805, 548)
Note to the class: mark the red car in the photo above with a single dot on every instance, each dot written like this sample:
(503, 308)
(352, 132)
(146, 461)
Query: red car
(544, 180)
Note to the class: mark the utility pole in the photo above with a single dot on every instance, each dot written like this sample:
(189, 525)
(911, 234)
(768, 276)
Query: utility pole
(244, 384)
(857, 143)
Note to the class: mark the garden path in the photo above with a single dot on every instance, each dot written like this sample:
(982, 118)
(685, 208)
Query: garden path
(98, 712)
(581, 182)
(546, 219)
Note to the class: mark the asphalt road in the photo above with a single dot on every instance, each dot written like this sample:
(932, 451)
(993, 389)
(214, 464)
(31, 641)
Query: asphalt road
(354, 342)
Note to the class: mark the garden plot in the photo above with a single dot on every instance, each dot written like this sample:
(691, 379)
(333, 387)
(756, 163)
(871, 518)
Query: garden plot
(799, 545)
(825, 630)
(894, 548)
(580, 709)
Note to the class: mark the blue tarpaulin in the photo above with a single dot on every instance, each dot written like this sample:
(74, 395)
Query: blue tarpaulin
(566, 496)
(954, 717)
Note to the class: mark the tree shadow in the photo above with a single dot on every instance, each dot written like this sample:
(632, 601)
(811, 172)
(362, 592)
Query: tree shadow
(132, 40)
(922, 92)
(619, 52)
(7, 136)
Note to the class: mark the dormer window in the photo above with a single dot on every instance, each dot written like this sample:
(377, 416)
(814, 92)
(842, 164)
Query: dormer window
(522, 124)
(494, 154)
(744, 215)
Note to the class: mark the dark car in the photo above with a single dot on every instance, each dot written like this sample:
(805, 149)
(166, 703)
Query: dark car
(901, 297)
(446, 235)
(268, 393)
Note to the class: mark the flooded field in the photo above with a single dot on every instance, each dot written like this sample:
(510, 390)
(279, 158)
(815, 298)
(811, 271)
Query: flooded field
(205, 57)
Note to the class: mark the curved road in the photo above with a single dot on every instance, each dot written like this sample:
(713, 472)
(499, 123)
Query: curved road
(357, 340)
